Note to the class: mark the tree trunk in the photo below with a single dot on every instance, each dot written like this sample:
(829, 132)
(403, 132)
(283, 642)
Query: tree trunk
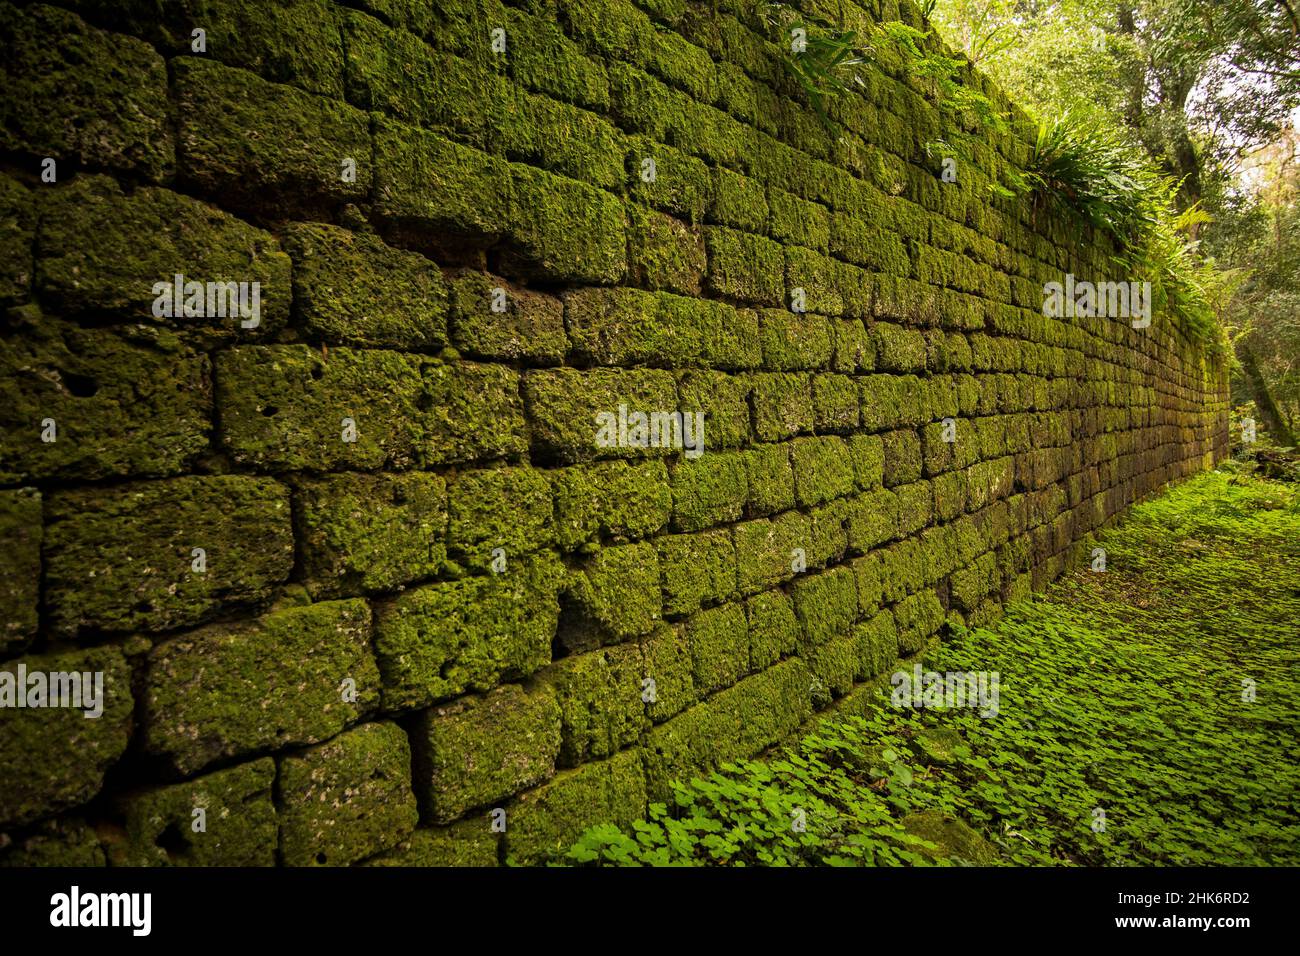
(1264, 404)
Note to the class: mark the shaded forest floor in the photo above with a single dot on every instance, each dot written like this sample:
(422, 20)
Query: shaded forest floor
(1147, 715)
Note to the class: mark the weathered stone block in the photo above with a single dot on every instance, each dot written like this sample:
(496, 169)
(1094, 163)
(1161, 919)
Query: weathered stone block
(563, 405)
(823, 469)
(600, 698)
(20, 567)
(719, 640)
(502, 508)
(615, 499)
(530, 328)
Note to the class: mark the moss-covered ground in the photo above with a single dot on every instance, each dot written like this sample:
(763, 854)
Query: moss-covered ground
(1148, 715)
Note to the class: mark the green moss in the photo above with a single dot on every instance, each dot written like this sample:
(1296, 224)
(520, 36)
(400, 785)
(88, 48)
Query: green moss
(737, 201)
(825, 604)
(851, 238)
(680, 183)
(62, 842)
(903, 570)
(877, 645)
(507, 508)
(833, 664)
(563, 405)
(915, 507)
(601, 710)
(773, 628)
(120, 558)
(719, 641)
(697, 569)
(565, 139)
(346, 799)
(76, 93)
(363, 533)
(474, 413)
(873, 520)
(724, 400)
(854, 350)
(64, 755)
(20, 567)
(953, 839)
(765, 550)
(797, 221)
(479, 750)
(823, 469)
(616, 500)
(712, 333)
(17, 241)
(531, 329)
(238, 821)
(782, 405)
(232, 689)
(770, 477)
(793, 341)
(544, 59)
(468, 842)
(440, 640)
(745, 267)
(709, 490)
(620, 327)
(664, 253)
(867, 452)
(549, 818)
(90, 257)
(352, 289)
(898, 349)
(902, 457)
(565, 230)
(263, 146)
(835, 403)
(617, 591)
(828, 537)
(668, 663)
(609, 27)
(819, 278)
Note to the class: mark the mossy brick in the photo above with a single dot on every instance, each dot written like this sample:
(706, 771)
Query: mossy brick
(474, 413)
(546, 821)
(854, 350)
(66, 841)
(733, 724)
(612, 28)
(697, 569)
(362, 533)
(773, 628)
(564, 230)
(866, 572)
(898, 349)
(228, 690)
(724, 400)
(770, 477)
(782, 403)
(63, 753)
(833, 664)
(346, 799)
(121, 558)
(744, 267)
(620, 327)
(971, 584)
(794, 341)
(904, 567)
(17, 241)
(352, 289)
(618, 500)
(601, 710)
(822, 469)
(682, 64)
(617, 593)
(284, 407)
(666, 654)
(427, 185)
(20, 567)
(835, 403)
(737, 201)
(949, 494)
(76, 93)
(867, 453)
(530, 327)
(439, 640)
(266, 147)
(564, 406)
(467, 842)
(642, 104)
(239, 821)
(507, 508)
(544, 59)
(855, 241)
(564, 139)
(711, 333)
(664, 253)
(873, 520)
(877, 642)
(709, 490)
(392, 72)
(817, 276)
(902, 457)
(667, 179)
(719, 640)
(798, 221)
(481, 749)
(825, 604)
(89, 257)
(828, 532)
(918, 618)
(915, 506)
(290, 41)
(766, 550)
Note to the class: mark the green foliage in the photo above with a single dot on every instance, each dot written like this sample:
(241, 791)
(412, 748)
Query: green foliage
(1119, 690)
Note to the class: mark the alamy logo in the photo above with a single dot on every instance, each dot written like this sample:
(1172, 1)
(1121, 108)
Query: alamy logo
(211, 300)
(1107, 300)
(82, 690)
(941, 691)
(103, 909)
(684, 430)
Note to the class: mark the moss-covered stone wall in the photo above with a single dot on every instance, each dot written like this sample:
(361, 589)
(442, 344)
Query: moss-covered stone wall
(356, 572)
